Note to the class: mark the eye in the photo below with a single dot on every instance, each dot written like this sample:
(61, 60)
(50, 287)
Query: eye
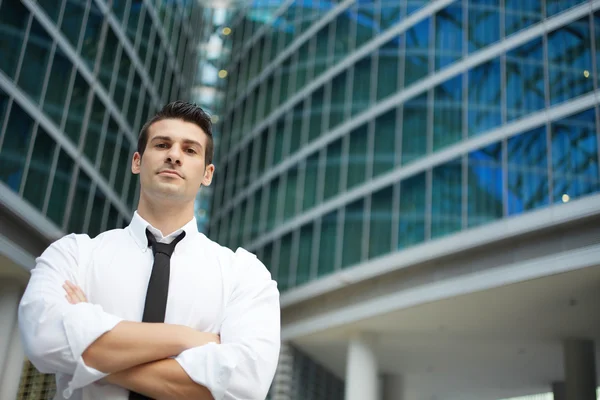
(161, 145)
(191, 151)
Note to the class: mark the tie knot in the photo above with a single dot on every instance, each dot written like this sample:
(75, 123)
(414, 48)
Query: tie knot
(164, 248)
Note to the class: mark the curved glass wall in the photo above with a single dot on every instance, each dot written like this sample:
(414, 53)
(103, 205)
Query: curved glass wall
(356, 129)
(78, 78)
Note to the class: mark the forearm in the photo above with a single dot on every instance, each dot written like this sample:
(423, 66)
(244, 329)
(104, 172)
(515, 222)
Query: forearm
(163, 379)
(133, 343)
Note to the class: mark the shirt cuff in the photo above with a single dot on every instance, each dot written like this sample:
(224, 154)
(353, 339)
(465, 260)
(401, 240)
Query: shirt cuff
(83, 324)
(210, 366)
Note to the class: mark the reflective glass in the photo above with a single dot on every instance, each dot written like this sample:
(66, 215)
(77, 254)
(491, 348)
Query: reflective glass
(60, 188)
(284, 264)
(411, 227)
(575, 156)
(343, 37)
(305, 254)
(110, 147)
(273, 202)
(289, 209)
(122, 77)
(262, 151)
(365, 20)
(391, 13)
(333, 167)
(316, 114)
(303, 67)
(388, 68)
(13, 22)
(113, 218)
(285, 71)
(384, 151)
(39, 169)
(525, 80)
(484, 185)
(94, 130)
(309, 193)
(58, 86)
(380, 226)
(527, 171)
(361, 85)
(448, 36)
(277, 136)
(570, 61)
(485, 98)
(321, 56)
(521, 14)
(124, 152)
(484, 24)
(254, 230)
(51, 8)
(136, 91)
(414, 129)
(72, 20)
(92, 35)
(596, 25)
(446, 199)
(267, 259)
(297, 126)
(132, 191)
(338, 100)
(109, 56)
(79, 205)
(414, 5)
(76, 108)
(327, 243)
(556, 6)
(358, 156)
(35, 61)
(416, 64)
(99, 201)
(135, 13)
(448, 113)
(14, 147)
(353, 233)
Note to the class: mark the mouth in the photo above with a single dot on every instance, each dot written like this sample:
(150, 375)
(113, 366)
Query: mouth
(170, 172)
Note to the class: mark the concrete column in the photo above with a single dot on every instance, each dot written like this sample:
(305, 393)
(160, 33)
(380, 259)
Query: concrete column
(13, 367)
(580, 369)
(559, 391)
(362, 380)
(9, 302)
(392, 387)
(281, 388)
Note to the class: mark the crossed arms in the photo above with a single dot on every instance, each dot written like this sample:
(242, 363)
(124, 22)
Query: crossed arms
(79, 339)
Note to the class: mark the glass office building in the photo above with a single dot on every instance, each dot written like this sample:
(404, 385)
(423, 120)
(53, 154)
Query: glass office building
(77, 81)
(357, 129)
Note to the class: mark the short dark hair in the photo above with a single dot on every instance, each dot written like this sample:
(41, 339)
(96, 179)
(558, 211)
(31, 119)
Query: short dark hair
(186, 112)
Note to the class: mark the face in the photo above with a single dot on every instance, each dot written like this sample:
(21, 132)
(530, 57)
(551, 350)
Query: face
(173, 167)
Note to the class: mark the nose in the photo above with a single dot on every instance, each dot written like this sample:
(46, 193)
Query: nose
(174, 155)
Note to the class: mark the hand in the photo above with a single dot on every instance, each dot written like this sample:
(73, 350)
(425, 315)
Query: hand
(74, 293)
(195, 338)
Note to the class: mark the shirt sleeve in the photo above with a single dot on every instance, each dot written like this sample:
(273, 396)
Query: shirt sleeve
(55, 333)
(243, 365)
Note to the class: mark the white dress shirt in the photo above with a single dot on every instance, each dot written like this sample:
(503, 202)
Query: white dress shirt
(211, 289)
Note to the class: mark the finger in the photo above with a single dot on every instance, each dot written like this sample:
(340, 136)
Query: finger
(80, 294)
(76, 292)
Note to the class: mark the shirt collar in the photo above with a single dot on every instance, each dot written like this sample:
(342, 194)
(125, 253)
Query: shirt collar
(138, 225)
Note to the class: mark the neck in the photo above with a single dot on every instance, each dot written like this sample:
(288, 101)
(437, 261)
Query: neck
(165, 217)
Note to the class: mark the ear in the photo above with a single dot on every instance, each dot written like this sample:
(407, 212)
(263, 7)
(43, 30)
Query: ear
(208, 174)
(136, 163)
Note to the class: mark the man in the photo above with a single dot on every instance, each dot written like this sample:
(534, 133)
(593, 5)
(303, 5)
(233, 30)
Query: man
(155, 310)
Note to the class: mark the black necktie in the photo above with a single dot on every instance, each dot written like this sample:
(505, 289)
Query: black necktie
(158, 286)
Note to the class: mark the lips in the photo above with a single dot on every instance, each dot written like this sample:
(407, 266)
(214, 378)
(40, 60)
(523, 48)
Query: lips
(170, 172)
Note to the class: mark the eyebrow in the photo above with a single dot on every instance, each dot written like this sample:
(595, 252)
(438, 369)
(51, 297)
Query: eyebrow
(168, 139)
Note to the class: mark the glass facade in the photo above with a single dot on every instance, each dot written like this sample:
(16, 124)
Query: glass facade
(77, 81)
(353, 130)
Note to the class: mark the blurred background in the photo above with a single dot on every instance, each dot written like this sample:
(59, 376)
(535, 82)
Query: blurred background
(421, 178)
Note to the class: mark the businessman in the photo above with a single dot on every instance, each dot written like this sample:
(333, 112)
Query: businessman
(155, 310)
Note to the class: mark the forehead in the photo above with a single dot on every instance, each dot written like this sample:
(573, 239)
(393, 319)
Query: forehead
(177, 129)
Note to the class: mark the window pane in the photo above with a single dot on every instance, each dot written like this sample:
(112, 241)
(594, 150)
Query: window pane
(15, 146)
(448, 36)
(58, 86)
(39, 169)
(361, 85)
(447, 113)
(97, 213)
(446, 199)
(556, 6)
(365, 21)
(254, 230)
(13, 21)
(123, 165)
(60, 188)
(327, 243)
(380, 230)
(35, 61)
(289, 209)
(387, 70)
(575, 156)
(304, 254)
(385, 143)
(484, 182)
(72, 20)
(94, 131)
(284, 264)
(316, 114)
(417, 53)
(484, 23)
(414, 129)
(333, 169)
(277, 135)
(525, 80)
(310, 182)
(51, 8)
(110, 147)
(76, 109)
(338, 100)
(570, 61)
(527, 171)
(390, 14)
(78, 208)
(358, 156)
(521, 14)
(113, 218)
(484, 98)
(411, 229)
(298, 121)
(92, 36)
(353, 233)
(273, 203)
(109, 56)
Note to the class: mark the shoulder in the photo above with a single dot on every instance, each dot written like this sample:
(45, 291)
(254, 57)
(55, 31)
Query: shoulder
(74, 243)
(241, 262)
